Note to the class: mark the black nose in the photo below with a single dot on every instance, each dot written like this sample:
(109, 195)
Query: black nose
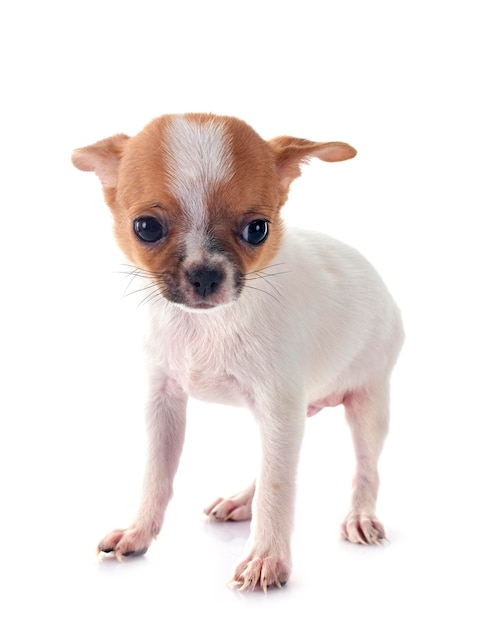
(205, 280)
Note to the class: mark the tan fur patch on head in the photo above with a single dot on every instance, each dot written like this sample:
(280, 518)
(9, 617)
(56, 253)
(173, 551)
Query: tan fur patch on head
(252, 193)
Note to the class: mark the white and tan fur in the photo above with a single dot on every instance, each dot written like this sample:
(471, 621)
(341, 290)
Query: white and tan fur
(285, 327)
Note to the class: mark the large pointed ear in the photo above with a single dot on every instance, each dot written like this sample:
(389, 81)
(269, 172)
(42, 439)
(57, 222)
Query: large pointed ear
(291, 152)
(103, 158)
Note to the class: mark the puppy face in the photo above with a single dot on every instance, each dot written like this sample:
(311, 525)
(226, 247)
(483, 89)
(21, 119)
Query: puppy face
(196, 200)
(196, 205)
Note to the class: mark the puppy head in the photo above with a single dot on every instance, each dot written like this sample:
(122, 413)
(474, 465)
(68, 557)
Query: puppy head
(196, 199)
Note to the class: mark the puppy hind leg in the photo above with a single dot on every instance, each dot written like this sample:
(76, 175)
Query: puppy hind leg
(367, 413)
(236, 508)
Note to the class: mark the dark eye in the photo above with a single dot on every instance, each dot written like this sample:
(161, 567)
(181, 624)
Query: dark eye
(148, 229)
(256, 232)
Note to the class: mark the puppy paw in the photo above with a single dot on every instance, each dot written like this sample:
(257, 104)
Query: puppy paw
(363, 528)
(261, 573)
(128, 542)
(228, 509)
(237, 508)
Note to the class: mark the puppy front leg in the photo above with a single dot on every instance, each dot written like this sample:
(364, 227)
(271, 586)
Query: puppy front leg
(166, 420)
(268, 559)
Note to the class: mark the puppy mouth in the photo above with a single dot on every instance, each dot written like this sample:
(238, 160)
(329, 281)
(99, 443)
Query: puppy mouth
(201, 306)
(211, 303)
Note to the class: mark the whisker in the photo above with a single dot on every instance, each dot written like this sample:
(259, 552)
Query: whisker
(151, 297)
(263, 276)
(268, 282)
(264, 291)
(137, 273)
(131, 273)
(131, 293)
(127, 287)
(266, 276)
(263, 269)
(133, 269)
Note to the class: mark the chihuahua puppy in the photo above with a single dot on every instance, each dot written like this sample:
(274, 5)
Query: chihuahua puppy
(248, 313)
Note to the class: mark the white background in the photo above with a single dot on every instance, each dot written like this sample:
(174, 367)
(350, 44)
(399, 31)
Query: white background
(404, 82)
